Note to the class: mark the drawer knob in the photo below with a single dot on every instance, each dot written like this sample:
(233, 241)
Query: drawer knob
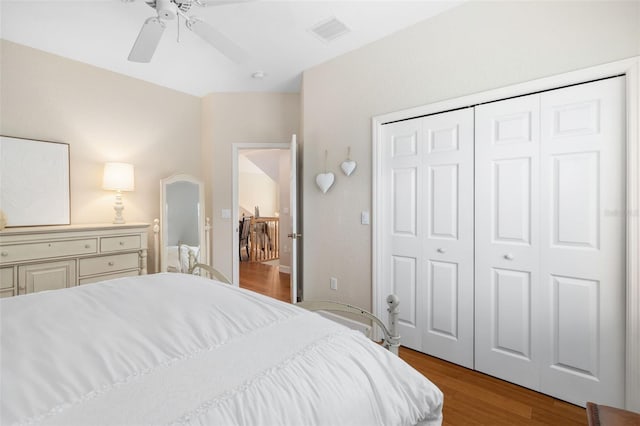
(508, 256)
(87, 246)
(121, 243)
(110, 263)
(441, 250)
(5, 253)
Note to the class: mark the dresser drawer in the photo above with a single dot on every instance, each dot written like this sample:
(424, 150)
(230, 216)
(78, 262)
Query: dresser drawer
(7, 292)
(106, 264)
(90, 280)
(127, 242)
(7, 278)
(30, 251)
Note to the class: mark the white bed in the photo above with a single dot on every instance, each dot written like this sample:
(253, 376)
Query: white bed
(181, 349)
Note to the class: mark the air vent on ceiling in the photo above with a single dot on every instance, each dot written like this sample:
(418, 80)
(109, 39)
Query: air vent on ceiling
(330, 29)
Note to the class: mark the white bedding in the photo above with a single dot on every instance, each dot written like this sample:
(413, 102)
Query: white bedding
(180, 349)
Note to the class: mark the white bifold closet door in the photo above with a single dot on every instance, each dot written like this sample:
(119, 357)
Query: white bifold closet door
(428, 231)
(507, 138)
(550, 242)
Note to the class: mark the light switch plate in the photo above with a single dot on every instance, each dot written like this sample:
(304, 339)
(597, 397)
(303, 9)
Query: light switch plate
(364, 218)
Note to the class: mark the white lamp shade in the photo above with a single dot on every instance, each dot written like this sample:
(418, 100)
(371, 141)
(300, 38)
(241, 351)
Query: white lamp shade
(118, 177)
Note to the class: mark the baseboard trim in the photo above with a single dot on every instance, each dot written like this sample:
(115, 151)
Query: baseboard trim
(285, 269)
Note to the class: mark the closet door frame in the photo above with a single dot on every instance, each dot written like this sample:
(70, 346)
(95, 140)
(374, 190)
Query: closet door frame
(630, 68)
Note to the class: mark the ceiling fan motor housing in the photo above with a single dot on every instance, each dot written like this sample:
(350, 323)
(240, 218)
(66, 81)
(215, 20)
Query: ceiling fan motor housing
(166, 9)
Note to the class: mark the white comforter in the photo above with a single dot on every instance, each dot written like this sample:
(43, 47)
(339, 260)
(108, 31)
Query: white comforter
(180, 349)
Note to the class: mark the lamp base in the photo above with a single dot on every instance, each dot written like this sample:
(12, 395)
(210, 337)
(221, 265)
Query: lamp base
(118, 207)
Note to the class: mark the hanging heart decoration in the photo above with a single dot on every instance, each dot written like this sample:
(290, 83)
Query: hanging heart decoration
(348, 165)
(325, 181)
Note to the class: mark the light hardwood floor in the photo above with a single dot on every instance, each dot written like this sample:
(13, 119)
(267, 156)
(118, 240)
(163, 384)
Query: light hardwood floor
(470, 398)
(265, 279)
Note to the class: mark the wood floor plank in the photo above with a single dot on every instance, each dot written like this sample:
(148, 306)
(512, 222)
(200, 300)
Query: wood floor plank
(470, 397)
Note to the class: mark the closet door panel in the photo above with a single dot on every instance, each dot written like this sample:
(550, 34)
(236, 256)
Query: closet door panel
(506, 239)
(403, 225)
(512, 201)
(511, 294)
(443, 298)
(404, 286)
(576, 200)
(448, 243)
(575, 349)
(443, 201)
(404, 201)
(583, 242)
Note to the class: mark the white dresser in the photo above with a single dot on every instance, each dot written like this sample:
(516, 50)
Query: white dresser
(51, 257)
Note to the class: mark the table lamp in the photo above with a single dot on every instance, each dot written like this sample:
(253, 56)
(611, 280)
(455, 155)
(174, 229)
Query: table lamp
(118, 177)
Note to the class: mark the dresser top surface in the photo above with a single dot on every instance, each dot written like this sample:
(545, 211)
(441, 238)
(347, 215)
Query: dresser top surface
(22, 230)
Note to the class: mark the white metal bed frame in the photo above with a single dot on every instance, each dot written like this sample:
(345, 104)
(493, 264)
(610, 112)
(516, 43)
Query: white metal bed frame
(391, 337)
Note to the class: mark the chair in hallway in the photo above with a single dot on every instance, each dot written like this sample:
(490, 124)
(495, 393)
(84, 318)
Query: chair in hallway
(244, 233)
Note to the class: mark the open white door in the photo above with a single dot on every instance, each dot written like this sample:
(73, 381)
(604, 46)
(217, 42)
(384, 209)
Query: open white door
(294, 235)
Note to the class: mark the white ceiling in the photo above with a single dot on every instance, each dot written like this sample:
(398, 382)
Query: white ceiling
(274, 33)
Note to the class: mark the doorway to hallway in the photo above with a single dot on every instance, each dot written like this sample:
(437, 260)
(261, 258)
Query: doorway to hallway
(264, 209)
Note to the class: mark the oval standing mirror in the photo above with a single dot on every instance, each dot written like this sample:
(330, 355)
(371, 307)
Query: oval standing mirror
(182, 223)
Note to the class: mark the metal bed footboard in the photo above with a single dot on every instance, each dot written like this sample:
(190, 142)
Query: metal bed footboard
(391, 336)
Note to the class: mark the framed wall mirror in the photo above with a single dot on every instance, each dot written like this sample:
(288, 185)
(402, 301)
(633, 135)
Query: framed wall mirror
(183, 234)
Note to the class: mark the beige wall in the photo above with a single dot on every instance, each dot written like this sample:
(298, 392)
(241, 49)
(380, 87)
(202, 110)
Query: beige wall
(104, 116)
(256, 189)
(230, 118)
(475, 47)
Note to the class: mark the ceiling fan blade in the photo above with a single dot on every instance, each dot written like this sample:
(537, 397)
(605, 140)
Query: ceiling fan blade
(217, 40)
(147, 41)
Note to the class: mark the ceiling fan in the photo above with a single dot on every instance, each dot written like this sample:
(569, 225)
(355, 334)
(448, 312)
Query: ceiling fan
(167, 10)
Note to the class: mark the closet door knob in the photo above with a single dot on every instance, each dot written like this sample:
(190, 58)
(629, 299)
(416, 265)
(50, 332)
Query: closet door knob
(508, 256)
(441, 250)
